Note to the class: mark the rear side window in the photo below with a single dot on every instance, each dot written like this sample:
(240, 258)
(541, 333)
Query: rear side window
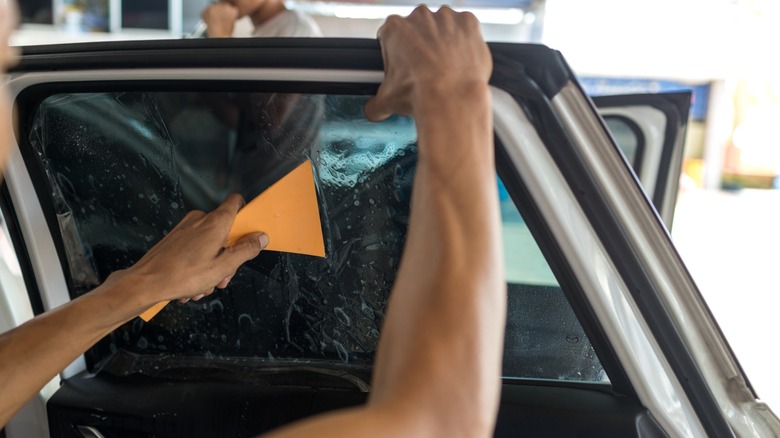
(629, 138)
(121, 168)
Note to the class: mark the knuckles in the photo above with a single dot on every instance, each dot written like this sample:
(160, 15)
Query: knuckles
(193, 215)
(468, 20)
(445, 16)
(422, 10)
(392, 23)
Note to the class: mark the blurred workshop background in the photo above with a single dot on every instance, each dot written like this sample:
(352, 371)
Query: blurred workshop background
(728, 211)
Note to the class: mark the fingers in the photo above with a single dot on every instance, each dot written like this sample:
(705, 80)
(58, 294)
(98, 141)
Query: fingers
(197, 297)
(224, 215)
(9, 19)
(378, 108)
(225, 281)
(232, 204)
(418, 51)
(220, 18)
(226, 212)
(247, 248)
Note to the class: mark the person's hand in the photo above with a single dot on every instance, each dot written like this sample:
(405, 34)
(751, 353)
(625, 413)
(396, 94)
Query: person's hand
(428, 52)
(8, 57)
(8, 21)
(192, 260)
(220, 18)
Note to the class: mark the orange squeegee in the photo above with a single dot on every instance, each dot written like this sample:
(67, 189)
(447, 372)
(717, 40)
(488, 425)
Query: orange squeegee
(287, 212)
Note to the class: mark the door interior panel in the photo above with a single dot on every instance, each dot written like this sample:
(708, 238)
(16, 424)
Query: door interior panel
(142, 406)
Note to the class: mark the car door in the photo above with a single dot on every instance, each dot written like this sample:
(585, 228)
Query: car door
(606, 333)
(650, 131)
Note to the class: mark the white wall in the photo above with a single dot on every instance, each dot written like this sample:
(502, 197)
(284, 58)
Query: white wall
(677, 39)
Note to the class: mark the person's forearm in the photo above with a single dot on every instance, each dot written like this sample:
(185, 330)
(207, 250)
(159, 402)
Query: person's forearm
(33, 353)
(190, 262)
(446, 313)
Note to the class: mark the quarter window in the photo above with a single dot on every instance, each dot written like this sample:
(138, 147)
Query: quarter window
(629, 139)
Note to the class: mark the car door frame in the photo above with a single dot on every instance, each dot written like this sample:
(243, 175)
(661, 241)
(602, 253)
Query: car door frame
(582, 134)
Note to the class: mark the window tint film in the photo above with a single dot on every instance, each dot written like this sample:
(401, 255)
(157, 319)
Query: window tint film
(543, 337)
(122, 168)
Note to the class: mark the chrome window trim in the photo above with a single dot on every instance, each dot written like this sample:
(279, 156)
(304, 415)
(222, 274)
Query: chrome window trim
(651, 242)
(641, 358)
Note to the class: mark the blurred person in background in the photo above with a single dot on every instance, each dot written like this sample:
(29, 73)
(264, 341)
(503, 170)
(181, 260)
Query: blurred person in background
(270, 18)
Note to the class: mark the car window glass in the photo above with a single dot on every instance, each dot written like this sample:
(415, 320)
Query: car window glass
(543, 337)
(628, 138)
(121, 168)
(523, 260)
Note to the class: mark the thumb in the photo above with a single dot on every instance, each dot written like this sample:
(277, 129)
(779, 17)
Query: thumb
(378, 108)
(246, 248)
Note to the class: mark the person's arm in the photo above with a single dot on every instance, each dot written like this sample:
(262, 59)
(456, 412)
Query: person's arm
(188, 262)
(437, 371)
(220, 19)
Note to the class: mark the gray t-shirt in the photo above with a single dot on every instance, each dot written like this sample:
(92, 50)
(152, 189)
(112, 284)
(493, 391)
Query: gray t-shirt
(285, 24)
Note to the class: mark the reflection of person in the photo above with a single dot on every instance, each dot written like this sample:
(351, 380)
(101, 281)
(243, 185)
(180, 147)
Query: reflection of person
(279, 121)
(270, 19)
(437, 370)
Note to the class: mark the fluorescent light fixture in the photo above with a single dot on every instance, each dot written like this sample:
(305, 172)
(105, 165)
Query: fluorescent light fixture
(380, 12)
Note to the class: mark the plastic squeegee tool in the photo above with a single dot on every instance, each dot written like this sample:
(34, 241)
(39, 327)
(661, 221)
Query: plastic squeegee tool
(287, 212)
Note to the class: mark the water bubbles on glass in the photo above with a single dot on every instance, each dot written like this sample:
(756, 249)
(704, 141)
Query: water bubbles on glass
(342, 316)
(343, 355)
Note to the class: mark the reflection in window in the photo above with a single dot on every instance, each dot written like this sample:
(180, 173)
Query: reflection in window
(124, 167)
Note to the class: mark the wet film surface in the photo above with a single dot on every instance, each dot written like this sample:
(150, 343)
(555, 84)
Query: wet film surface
(124, 167)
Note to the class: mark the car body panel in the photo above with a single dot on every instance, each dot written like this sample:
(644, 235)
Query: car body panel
(677, 314)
